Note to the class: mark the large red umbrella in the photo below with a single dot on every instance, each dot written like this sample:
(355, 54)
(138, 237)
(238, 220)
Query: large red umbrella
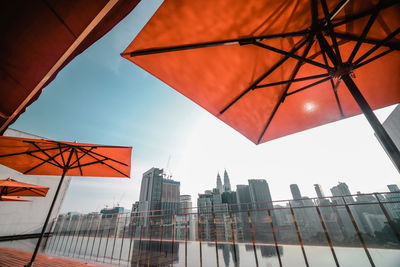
(11, 187)
(38, 38)
(273, 68)
(48, 157)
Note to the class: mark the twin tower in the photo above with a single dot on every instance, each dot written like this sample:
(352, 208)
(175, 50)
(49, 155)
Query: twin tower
(227, 184)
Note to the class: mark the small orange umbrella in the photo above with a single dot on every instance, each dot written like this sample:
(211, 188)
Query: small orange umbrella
(273, 68)
(13, 198)
(48, 157)
(10, 187)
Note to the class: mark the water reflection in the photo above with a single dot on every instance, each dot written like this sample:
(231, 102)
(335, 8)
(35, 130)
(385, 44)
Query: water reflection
(156, 253)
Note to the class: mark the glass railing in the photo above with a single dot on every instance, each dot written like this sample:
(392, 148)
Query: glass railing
(357, 230)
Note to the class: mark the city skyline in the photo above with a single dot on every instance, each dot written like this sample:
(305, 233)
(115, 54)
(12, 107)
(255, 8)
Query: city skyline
(341, 189)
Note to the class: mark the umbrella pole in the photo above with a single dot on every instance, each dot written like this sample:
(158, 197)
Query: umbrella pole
(65, 169)
(382, 135)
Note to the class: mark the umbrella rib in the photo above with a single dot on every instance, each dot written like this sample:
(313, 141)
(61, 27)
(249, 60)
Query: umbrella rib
(330, 30)
(373, 58)
(44, 152)
(45, 161)
(77, 159)
(215, 43)
(62, 156)
(104, 162)
(84, 149)
(299, 58)
(365, 31)
(338, 8)
(22, 153)
(364, 13)
(334, 87)
(352, 37)
(265, 75)
(293, 80)
(379, 44)
(308, 86)
(284, 94)
(84, 153)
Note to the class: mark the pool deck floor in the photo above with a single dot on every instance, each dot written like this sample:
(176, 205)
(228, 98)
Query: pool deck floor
(17, 258)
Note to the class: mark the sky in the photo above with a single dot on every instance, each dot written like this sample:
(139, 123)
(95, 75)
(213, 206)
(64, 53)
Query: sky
(102, 98)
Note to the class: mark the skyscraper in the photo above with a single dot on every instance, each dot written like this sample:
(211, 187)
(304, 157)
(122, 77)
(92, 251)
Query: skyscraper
(342, 190)
(319, 191)
(294, 188)
(219, 184)
(259, 192)
(170, 196)
(151, 190)
(227, 183)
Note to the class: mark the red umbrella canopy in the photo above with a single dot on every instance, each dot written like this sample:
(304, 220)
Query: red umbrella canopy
(10, 187)
(12, 198)
(40, 37)
(257, 65)
(47, 157)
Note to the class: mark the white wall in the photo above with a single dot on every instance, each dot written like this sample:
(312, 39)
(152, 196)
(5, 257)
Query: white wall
(18, 218)
(392, 126)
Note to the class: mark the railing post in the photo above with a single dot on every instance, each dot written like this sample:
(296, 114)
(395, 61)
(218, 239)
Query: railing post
(252, 235)
(116, 234)
(215, 235)
(186, 239)
(199, 232)
(131, 232)
(101, 236)
(78, 232)
(327, 236)
(173, 240)
(150, 238)
(391, 224)
(94, 239)
(122, 241)
(161, 240)
(108, 237)
(353, 221)
(88, 236)
(58, 234)
(274, 236)
(298, 235)
(233, 238)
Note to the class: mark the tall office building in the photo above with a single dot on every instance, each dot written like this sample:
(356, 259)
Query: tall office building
(227, 183)
(259, 192)
(150, 190)
(243, 195)
(294, 188)
(319, 191)
(170, 196)
(342, 190)
(220, 187)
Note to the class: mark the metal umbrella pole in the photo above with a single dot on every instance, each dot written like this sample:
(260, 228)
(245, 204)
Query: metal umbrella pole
(65, 169)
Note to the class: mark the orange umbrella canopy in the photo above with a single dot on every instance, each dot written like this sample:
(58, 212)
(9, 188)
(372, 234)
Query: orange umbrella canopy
(13, 198)
(46, 157)
(259, 66)
(10, 187)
